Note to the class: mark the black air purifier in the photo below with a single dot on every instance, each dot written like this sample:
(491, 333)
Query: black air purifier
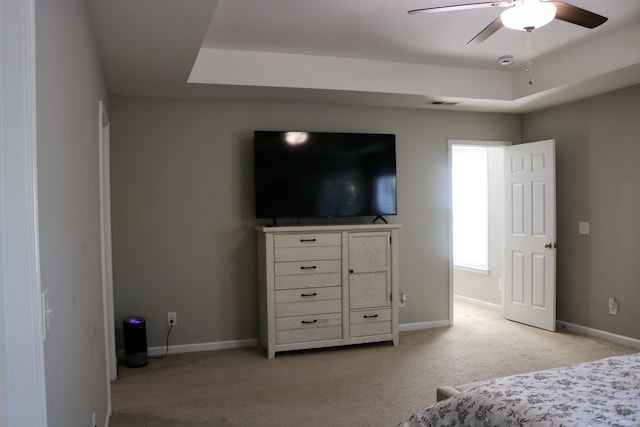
(135, 342)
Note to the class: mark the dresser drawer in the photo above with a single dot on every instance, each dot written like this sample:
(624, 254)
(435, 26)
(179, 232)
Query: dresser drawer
(369, 316)
(307, 254)
(308, 307)
(313, 327)
(308, 280)
(306, 335)
(311, 321)
(366, 329)
(306, 240)
(369, 322)
(309, 294)
(307, 267)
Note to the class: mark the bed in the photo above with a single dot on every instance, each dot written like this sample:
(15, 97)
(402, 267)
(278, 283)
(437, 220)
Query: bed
(603, 392)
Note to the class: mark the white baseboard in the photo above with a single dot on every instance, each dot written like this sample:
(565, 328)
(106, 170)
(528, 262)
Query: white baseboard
(596, 333)
(607, 336)
(406, 327)
(190, 348)
(205, 346)
(485, 304)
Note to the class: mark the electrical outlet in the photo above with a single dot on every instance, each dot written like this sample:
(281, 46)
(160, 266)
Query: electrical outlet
(613, 306)
(172, 318)
(583, 227)
(403, 300)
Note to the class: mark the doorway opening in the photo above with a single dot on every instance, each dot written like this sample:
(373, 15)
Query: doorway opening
(477, 222)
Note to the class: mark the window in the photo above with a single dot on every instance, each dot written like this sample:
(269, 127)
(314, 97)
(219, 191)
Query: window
(470, 199)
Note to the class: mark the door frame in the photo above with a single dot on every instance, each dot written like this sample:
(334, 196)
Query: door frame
(105, 240)
(22, 367)
(451, 143)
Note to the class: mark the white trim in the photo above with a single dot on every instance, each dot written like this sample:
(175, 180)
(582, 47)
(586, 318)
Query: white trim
(206, 346)
(105, 249)
(407, 327)
(596, 333)
(191, 348)
(23, 335)
(485, 304)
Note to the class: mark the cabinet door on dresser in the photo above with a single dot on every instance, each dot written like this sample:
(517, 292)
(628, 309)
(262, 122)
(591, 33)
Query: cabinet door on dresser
(369, 270)
(370, 310)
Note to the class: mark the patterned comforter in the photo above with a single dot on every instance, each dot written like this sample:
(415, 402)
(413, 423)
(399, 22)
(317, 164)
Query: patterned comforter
(601, 393)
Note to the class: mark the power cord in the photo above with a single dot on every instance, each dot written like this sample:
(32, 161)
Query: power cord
(167, 347)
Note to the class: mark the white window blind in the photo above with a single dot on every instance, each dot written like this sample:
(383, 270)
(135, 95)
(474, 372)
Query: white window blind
(470, 196)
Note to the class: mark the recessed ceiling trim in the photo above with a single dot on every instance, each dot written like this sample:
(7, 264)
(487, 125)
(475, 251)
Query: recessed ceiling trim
(150, 49)
(233, 67)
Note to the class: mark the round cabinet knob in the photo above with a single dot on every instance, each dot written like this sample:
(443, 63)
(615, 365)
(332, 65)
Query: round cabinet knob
(350, 271)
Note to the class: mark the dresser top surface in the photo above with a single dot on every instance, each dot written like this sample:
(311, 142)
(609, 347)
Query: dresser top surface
(343, 227)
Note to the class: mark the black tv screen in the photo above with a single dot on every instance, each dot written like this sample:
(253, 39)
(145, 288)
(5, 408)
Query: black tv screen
(324, 174)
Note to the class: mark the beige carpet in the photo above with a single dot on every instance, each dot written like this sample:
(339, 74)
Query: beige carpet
(369, 385)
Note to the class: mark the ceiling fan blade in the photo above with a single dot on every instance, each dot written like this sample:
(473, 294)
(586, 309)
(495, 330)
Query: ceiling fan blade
(461, 7)
(487, 31)
(575, 15)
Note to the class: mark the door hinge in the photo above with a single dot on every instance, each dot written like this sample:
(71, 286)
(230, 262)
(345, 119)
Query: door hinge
(389, 239)
(391, 296)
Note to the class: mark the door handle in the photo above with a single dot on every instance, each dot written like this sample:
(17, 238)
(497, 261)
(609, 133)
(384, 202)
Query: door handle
(550, 245)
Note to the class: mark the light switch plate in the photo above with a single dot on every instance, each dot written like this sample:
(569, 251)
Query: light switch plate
(583, 227)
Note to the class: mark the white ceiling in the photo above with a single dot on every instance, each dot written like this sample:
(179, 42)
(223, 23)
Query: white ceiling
(366, 52)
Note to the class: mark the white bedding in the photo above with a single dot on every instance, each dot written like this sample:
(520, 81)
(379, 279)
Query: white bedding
(605, 392)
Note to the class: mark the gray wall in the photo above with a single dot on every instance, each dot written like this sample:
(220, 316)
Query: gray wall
(69, 84)
(182, 205)
(598, 148)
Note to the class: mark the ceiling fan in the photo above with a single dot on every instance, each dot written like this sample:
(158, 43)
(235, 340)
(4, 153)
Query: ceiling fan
(525, 15)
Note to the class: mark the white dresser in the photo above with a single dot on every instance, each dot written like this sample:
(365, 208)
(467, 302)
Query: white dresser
(322, 286)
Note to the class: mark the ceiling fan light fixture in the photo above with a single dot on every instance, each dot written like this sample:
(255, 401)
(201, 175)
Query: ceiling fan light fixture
(527, 15)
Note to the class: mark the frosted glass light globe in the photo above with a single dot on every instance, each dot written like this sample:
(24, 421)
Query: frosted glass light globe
(528, 15)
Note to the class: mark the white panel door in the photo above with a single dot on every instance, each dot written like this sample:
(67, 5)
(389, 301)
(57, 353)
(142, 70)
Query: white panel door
(530, 238)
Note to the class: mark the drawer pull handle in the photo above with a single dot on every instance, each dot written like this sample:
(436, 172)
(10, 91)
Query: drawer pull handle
(311, 267)
(309, 295)
(307, 240)
(309, 322)
(370, 316)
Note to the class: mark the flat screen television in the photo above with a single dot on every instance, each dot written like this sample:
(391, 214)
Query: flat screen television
(324, 174)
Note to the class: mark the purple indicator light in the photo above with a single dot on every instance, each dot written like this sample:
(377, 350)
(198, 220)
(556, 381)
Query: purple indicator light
(135, 321)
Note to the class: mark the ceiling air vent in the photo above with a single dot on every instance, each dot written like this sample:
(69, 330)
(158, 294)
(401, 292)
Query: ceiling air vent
(442, 103)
